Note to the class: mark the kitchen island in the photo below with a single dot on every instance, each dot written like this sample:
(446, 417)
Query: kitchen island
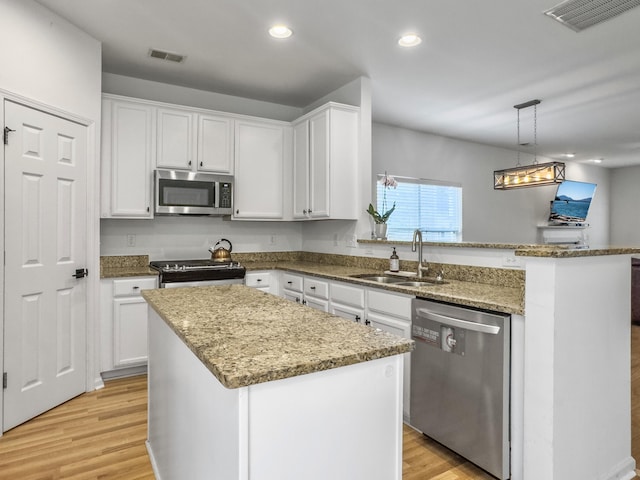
(245, 385)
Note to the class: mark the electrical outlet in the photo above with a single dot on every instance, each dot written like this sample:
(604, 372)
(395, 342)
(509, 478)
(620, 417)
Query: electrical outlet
(273, 239)
(131, 240)
(352, 241)
(512, 262)
(335, 239)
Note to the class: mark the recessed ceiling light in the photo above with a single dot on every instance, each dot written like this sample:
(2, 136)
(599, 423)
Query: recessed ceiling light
(280, 31)
(596, 160)
(409, 40)
(569, 155)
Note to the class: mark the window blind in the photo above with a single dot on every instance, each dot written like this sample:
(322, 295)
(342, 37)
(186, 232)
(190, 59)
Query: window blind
(435, 209)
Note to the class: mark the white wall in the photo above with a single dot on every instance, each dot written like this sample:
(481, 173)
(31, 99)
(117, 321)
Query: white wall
(45, 58)
(625, 200)
(175, 238)
(163, 92)
(488, 215)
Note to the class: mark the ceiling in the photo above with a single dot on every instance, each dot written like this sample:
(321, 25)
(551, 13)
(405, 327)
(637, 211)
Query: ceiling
(476, 61)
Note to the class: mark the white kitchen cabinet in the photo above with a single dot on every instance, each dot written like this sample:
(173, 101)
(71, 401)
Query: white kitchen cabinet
(309, 291)
(348, 301)
(391, 312)
(262, 280)
(123, 323)
(195, 141)
(175, 137)
(259, 170)
(325, 145)
(128, 150)
(215, 144)
(316, 293)
(292, 287)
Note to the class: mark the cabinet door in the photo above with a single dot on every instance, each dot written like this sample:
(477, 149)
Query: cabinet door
(301, 170)
(345, 311)
(319, 149)
(131, 142)
(215, 144)
(129, 331)
(291, 295)
(402, 329)
(175, 139)
(317, 303)
(259, 169)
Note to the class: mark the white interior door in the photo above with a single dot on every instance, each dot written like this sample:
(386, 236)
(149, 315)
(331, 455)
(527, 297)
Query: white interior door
(45, 243)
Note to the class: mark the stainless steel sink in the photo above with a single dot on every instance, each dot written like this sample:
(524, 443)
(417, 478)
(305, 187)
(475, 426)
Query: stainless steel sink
(420, 283)
(400, 281)
(379, 278)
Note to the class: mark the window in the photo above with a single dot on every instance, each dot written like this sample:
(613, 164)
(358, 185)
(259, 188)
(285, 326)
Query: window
(433, 207)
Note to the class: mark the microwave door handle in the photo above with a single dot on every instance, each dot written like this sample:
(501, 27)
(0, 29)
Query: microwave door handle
(216, 194)
(456, 322)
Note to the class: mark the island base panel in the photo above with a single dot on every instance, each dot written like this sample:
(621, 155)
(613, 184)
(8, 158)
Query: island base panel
(343, 423)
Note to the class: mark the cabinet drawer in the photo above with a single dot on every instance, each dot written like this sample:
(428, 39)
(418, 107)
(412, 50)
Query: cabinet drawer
(257, 280)
(390, 303)
(316, 288)
(347, 295)
(292, 282)
(133, 286)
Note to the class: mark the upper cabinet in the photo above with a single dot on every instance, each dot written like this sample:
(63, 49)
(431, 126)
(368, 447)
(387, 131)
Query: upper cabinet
(128, 150)
(188, 140)
(304, 170)
(259, 170)
(325, 165)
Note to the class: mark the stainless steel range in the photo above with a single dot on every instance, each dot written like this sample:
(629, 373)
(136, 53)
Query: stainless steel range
(192, 273)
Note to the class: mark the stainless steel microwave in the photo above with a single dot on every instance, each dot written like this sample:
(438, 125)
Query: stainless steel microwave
(192, 193)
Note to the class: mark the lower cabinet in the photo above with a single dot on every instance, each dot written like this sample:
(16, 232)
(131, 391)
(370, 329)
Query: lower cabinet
(372, 306)
(265, 281)
(391, 312)
(309, 291)
(348, 301)
(123, 323)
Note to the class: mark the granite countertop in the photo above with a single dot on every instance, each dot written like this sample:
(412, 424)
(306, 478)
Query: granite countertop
(244, 336)
(125, 266)
(505, 299)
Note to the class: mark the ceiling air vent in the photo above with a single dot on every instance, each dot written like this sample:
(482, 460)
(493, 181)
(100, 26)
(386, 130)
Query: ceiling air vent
(581, 14)
(171, 57)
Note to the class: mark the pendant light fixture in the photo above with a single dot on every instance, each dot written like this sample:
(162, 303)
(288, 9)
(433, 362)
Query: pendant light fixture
(533, 175)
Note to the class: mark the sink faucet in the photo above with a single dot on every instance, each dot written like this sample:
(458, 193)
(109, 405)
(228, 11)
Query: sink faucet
(417, 234)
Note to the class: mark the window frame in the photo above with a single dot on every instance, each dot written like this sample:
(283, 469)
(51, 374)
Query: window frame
(438, 235)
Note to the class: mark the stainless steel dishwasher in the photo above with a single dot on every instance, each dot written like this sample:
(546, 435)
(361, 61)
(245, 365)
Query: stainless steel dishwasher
(460, 376)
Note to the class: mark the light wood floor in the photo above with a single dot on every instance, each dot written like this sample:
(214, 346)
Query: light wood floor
(100, 435)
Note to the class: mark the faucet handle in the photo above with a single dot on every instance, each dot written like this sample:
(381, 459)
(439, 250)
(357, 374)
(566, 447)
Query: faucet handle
(440, 275)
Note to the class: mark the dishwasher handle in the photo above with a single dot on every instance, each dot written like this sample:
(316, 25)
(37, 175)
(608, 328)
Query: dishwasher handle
(456, 322)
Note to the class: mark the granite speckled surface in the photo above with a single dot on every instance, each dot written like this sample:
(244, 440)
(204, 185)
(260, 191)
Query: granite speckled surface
(576, 252)
(497, 289)
(244, 336)
(525, 250)
(125, 266)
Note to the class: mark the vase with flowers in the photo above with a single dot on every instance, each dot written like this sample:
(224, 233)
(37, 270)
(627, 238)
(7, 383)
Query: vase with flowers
(380, 217)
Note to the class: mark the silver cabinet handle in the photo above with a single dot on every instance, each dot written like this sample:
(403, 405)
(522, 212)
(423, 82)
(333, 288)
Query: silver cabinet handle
(456, 322)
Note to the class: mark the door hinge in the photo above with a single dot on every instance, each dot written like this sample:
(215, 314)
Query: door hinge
(5, 137)
(4, 380)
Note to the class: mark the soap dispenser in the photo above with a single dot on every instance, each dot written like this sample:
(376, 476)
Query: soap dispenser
(394, 261)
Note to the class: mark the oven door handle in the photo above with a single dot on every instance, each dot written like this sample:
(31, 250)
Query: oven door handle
(456, 322)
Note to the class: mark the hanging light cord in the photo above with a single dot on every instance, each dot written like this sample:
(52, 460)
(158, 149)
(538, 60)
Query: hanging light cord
(518, 162)
(535, 133)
